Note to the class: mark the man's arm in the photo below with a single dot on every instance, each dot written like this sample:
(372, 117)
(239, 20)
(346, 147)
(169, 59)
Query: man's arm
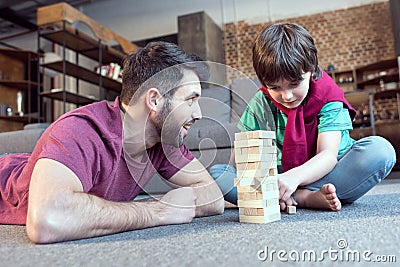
(210, 200)
(59, 210)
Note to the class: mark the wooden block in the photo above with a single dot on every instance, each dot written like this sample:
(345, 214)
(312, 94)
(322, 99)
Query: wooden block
(264, 203)
(260, 219)
(269, 194)
(259, 150)
(268, 187)
(255, 181)
(271, 198)
(249, 166)
(250, 195)
(272, 202)
(256, 150)
(249, 181)
(253, 142)
(259, 211)
(291, 209)
(245, 182)
(251, 203)
(251, 211)
(247, 188)
(256, 173)
(240, 158)
(260, 165)
(251, 184)
(259, 134)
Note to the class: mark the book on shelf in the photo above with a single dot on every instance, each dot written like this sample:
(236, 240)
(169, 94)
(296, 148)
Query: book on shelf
(112, 71)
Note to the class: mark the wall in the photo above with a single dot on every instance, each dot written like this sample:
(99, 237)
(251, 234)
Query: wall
(138, 19)
(346, 38)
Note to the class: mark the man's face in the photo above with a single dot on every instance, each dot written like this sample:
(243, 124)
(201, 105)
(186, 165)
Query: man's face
(180, 112)
(290, 94)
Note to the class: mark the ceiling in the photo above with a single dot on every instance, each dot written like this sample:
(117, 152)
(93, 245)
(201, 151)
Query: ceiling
(19, 16)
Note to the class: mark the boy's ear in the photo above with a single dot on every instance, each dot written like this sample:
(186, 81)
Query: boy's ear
(152, 96)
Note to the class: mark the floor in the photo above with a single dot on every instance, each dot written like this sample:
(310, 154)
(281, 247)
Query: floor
(368, 227)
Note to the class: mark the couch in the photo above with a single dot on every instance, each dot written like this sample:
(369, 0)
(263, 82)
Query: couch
(210, 139)
(22, 141)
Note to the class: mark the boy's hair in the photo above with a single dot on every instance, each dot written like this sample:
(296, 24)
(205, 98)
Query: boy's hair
(167, 61)
(284, 51)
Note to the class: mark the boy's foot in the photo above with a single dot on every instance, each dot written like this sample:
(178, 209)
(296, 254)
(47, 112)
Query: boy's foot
(325, 198)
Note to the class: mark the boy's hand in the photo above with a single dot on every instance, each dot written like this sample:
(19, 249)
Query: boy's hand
(289, 202)
(287, 186)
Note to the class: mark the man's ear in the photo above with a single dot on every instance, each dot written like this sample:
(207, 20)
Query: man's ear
(152, 96)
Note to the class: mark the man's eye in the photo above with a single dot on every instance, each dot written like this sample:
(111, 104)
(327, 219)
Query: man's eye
(190, 101)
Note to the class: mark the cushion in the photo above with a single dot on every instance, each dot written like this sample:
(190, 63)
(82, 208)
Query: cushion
(211, 137)
(22, 141)
(242, 91)
(215, 104)
(41, 125)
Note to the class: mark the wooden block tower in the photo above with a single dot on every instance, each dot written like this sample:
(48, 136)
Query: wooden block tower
(257, 180)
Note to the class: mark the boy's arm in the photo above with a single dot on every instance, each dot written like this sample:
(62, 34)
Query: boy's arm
(59, 210)
(209, 198)
(315, 168)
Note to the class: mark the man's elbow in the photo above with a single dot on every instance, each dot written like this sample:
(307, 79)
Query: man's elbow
(220, 206)
(41, 228)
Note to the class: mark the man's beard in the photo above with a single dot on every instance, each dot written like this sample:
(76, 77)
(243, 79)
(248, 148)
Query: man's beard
(168, 127)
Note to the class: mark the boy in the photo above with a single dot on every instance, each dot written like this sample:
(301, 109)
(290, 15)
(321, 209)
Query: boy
(320, 165)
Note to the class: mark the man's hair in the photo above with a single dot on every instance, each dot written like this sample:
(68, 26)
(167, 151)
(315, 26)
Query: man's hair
(167, 61)
(284, 51)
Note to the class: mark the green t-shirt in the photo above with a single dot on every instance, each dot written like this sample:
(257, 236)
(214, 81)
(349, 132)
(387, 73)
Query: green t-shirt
(261, 114)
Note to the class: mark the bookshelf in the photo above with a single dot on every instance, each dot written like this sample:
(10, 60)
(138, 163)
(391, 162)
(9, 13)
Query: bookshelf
(77, 48)
(380, 81)
(373, 90)
(345, 79)
(18, 77)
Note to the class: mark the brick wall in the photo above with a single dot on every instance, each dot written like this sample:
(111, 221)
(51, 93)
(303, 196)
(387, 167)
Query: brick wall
(346, 38)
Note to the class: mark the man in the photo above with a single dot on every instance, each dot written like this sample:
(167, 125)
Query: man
(91, 163)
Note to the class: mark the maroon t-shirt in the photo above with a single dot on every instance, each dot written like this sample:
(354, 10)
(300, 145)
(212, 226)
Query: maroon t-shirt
(87, 140)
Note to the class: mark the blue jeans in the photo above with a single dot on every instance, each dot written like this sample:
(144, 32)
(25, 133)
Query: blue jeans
(367, 162)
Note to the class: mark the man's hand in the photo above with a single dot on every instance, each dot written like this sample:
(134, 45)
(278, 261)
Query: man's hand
(178, 206)
(209, 198)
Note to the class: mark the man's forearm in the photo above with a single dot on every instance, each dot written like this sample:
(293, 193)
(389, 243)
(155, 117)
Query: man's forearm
(81, 215)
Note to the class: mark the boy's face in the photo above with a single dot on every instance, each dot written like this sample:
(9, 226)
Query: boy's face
(290, 94)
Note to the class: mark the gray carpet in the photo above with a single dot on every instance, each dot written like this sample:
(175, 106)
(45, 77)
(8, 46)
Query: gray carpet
(371, 224)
